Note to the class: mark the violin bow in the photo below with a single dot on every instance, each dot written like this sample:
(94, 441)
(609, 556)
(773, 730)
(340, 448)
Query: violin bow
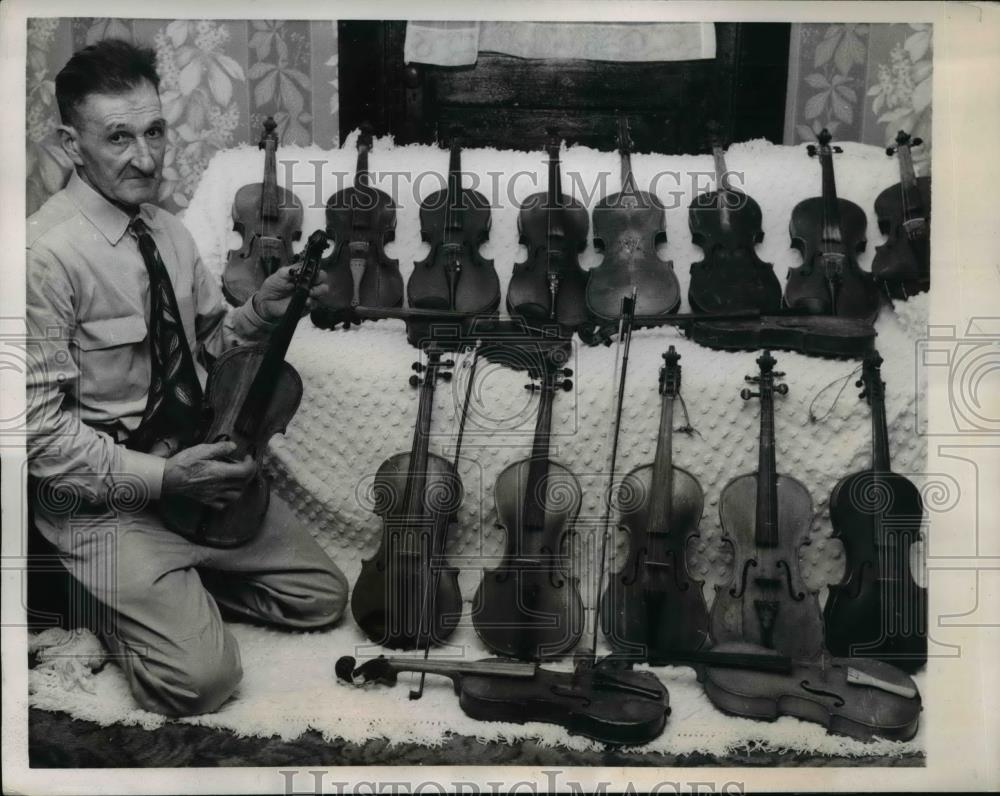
(430, 594)
(625, 324)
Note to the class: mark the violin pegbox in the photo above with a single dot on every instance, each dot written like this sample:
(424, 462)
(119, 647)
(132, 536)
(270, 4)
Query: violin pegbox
(435, 369)
(766, 379)
(871, 378)
(824, 147)
(670, 374)
(903, 139)
(270, 135)
(552, 373)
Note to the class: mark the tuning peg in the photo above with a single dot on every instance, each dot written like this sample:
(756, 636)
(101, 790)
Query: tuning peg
(781, 389)
(916, 142)
(566, 384)
(890, 151)
(752, 379)
(863, 394)
(837, 149)
(418, 367)
(448, 363)
(811, 150)
(445, 375)
(859, 382)
(532, 387)
(567, 371)
(414, 381)
(746, 395)
(779, 374)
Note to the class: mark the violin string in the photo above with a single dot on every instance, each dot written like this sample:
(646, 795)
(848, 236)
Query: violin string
(687, 428)
(846, 379)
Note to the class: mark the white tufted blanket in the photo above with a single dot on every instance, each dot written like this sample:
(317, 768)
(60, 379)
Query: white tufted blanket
(358, 409)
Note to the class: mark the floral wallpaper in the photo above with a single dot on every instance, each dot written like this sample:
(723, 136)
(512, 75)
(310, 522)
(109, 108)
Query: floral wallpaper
(863, 82)
(219, 80)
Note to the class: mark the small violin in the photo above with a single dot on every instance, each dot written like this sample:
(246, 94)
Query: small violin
(611, 705)
(816, 335)
(902, 264)
(456, 223)
(829, 232)
(765, 518)
(878, 610)
(549, 287)
(856, 697)
(269, 218)
(251, 395)
(653, 607)
(726, 224)
(360, 220)
(628, 226)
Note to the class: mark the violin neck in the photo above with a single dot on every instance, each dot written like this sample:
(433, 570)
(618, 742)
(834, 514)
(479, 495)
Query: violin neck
(455, 181)
(628, 180)
(534, 503)
(721, 172)
(831, 205)
(269, 193)
(881, 461)
(261, 390)
(555, 181)
(767, 476)
(417, 476)
(362, 179)
(658, 521)
(489, 668)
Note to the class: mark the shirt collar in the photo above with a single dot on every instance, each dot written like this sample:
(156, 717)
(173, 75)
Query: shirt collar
(109, 219)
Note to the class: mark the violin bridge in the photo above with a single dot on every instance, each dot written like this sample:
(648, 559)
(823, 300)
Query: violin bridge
(857, 677)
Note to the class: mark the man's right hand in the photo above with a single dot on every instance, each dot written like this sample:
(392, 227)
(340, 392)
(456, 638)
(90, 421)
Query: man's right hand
(202, 473)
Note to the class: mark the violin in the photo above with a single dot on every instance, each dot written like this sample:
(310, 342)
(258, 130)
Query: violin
(829, 232)
(455, 222)
(628, 226)
(251, 395)
(877, 610)
(653, 607)
(360, 220)
(855, 697)
(550, 286)
(902, 264)
(611, 705)
(269, 218)
(817, 335)
(765, 519)
(417, 495)
(726, 225)
(528, 607)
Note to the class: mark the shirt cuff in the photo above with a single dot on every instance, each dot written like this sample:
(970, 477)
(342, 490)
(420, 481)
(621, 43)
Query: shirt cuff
(248, 323)
(148, 468)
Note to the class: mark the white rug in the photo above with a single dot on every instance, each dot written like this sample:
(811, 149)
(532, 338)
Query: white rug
(358, 409)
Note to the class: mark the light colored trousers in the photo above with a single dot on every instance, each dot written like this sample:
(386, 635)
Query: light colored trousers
(160, 596)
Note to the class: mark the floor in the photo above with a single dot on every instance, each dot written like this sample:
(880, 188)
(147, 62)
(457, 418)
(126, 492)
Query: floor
(58, 741)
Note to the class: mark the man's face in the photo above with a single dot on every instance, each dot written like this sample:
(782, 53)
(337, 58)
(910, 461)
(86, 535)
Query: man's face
(117, 142)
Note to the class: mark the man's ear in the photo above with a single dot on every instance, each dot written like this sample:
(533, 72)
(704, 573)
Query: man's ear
(70, 140)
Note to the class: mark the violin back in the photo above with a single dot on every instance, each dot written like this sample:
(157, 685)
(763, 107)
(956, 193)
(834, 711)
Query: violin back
(528, 607)
(609, 716)
(227, 387)
(393, 585)
(651, 607)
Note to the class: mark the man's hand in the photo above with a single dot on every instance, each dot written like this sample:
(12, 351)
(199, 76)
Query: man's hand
(202, 472)
(271, 299)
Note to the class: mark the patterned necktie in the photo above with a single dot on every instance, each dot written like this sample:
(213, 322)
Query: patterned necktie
(174, 404)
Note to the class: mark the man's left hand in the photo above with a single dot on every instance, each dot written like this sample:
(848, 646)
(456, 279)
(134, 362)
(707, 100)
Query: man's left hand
(271, 299)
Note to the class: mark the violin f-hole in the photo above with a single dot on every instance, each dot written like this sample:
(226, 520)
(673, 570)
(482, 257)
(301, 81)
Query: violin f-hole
(797, 596)
(750, 562)
(838, 701)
